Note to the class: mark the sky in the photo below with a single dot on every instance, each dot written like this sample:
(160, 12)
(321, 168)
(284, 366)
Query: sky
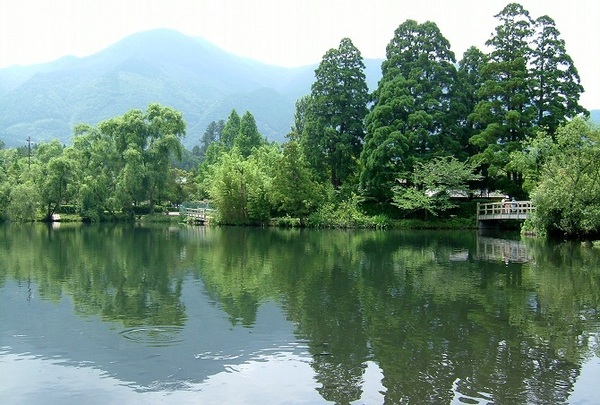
(283, 32)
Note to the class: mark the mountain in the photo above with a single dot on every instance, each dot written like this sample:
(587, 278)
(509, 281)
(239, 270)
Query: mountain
(189, 74)
(595, 116)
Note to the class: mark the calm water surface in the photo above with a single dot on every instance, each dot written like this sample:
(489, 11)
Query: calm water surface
(146, 314)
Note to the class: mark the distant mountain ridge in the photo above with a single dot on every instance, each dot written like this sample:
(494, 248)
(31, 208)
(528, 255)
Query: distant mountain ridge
(189, 74)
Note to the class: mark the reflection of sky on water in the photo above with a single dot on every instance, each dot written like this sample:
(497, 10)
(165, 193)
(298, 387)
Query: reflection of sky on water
(586, 387)
(270, 380)
(88, 361)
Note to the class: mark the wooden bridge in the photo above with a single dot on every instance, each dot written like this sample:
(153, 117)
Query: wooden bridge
(196, 215)
(507, 210)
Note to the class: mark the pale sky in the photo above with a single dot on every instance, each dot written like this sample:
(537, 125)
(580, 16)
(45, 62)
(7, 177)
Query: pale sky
(282, 32)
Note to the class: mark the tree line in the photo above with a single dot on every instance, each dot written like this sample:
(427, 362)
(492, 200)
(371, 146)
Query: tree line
(434, 127)
(108, 170)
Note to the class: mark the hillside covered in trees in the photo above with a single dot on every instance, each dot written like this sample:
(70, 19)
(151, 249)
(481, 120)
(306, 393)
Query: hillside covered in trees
(508, 120)
(161, 66)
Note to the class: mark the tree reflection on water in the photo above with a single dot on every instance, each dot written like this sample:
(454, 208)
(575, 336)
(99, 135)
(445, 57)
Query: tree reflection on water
(445, 315)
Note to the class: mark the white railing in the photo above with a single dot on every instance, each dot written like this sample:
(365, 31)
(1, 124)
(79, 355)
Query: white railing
(504, 210)
(195, 213)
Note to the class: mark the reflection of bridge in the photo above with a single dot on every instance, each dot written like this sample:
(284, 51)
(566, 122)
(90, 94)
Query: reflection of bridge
(494, 249)
(508, 210)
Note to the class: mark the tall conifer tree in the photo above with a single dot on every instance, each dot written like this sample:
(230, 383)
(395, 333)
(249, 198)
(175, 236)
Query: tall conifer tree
(230, 130)
(412, 118)
(248, 136)
(333, 122)
(506, 111)
(556, 83)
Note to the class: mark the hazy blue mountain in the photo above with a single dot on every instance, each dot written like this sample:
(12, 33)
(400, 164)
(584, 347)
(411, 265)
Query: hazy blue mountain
(190, 74)
(595, 116)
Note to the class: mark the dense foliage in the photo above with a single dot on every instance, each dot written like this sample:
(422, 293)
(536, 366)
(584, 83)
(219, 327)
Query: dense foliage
(432, 130)
(412, 117)
(332, 128)
(567, 191)
(109, 169)
(433, 184)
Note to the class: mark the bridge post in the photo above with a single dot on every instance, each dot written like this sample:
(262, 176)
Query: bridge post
(484, 225)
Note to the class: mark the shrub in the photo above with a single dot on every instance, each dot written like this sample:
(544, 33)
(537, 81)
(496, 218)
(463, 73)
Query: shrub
(346, 214)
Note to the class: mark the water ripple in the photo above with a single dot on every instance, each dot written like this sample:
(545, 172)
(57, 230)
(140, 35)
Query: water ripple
(154, 336)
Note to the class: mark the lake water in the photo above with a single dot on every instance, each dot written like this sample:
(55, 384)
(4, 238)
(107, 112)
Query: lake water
(129, 314)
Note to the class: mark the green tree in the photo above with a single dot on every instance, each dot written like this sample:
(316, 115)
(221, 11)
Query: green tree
(567, 198)
(385, 142)
(333, 127)
(422, 55)
(529, 160)
(295, 193)
(556, 83)
(145, 144)
(46, 151)
(469, 83)
(8, 179)
(300, 115)
(56, 184)
(96, 169)
(231, 129)
(248, 136)
(212, 134)
(166, 128)
(239, 189)
(181, 186)
(212, 157)
(506, 111)
(132, 182)
(412, 117)
(432, 184)
(262, 162)
(24, 202)
(50, 170)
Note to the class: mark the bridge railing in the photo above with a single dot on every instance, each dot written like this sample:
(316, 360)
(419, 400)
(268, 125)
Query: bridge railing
(197, 213)
(504, 210)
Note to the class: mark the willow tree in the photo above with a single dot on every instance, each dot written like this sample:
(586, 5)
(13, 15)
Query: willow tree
(333, 128)
(412, 118)
(56, 187)
(51, 170)
(96, 166)
(7, 182)
(144, 143)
